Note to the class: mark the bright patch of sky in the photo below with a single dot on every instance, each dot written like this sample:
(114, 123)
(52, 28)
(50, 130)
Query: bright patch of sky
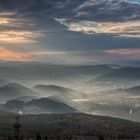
(135, 1)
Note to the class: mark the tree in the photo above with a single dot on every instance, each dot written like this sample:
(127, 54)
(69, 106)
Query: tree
(45, 137)
(101, 138)
(38, 137)
(17, 127)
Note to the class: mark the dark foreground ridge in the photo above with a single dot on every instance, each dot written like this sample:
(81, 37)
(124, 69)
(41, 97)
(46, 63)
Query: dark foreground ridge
(77, 126)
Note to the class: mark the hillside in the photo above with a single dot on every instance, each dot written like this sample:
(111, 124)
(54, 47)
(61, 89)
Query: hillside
(50, 90)
(37, 106)
(14, 90)
(70, 125)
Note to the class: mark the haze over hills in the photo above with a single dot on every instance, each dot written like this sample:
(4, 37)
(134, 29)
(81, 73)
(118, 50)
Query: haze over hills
(123, 77)
(35, 71)
(86, 88)
(123, 110)
(60, 59)
(56, 98)
(57, 93)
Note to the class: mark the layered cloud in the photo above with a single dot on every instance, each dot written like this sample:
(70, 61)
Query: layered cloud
(102, 10)
(108, 10)
(18, 37)
(13, 30)
(67, 30)
(125, 29)
(118, 17)
(135, 1)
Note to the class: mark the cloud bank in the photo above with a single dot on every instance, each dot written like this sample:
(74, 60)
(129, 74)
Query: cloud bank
(70, 26)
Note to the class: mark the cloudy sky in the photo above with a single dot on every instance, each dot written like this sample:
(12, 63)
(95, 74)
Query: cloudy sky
(70, 31)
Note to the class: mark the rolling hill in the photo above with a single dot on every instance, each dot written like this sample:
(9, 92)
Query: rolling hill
(53, 90)
(37, 106)
(14, 90)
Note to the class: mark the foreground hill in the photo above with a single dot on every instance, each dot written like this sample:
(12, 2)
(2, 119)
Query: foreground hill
(68, 126)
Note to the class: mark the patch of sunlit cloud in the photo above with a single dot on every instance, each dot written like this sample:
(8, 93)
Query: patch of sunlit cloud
(12, 32)
(128, 53)
(5, 13)
(4, 21)
(134, 1)
(7, 54)
(123, 29)
(19, 37)
(130, 35)
(45, 56)
(48, 53)
(6, 18)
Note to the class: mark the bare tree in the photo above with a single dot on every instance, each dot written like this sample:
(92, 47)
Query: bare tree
(17, 126)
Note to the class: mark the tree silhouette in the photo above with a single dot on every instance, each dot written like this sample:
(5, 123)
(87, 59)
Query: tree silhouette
(17, 127)
(101, 138)
(38, 137)
(45, 137)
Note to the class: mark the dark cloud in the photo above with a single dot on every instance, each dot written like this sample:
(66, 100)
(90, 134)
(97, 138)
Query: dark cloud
(104, 10)
(108, 10)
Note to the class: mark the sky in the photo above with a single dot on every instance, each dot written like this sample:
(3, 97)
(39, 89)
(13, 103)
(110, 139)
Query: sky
(70, 31)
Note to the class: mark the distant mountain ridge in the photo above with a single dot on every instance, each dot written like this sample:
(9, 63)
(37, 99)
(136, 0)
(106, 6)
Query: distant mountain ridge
(123, 73)
(33, 71)
(93, 69)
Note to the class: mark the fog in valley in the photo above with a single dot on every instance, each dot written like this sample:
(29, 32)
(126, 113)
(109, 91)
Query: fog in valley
(37, 88)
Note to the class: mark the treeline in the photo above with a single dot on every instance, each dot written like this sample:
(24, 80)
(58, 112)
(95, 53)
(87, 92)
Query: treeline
(66, 129)
(68, 136)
